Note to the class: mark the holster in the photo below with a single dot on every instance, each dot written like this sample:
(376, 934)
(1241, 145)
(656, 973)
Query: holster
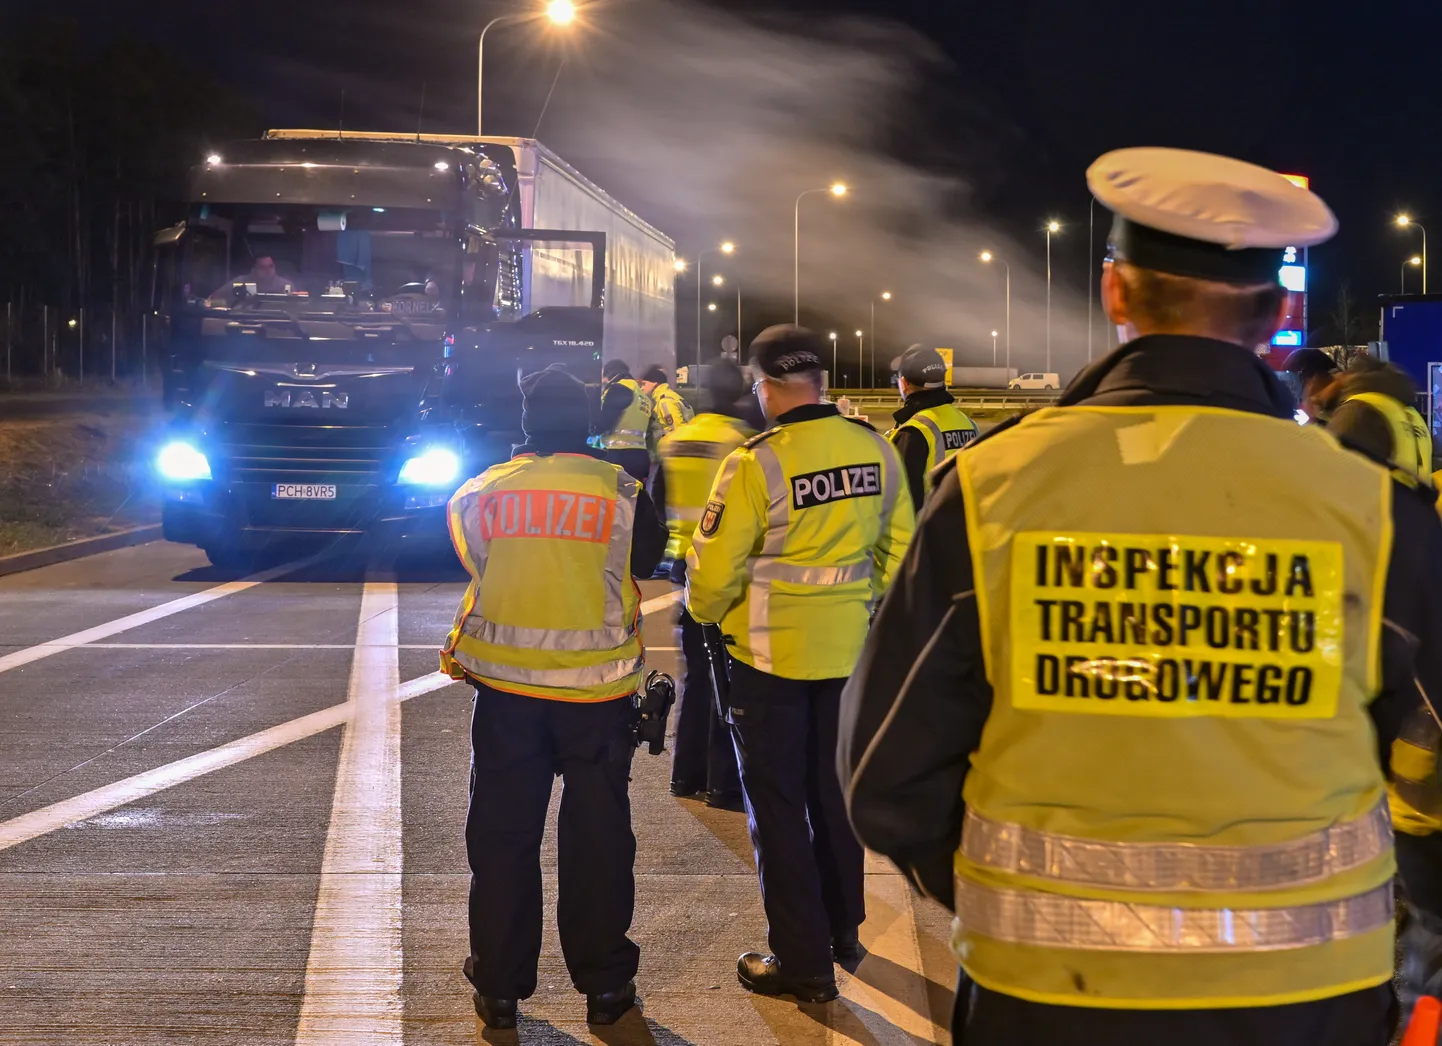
(720, 669)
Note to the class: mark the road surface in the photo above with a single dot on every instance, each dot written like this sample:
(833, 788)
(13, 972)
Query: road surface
(231, 812)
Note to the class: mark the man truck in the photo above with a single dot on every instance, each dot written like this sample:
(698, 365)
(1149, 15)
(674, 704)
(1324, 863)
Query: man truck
(345, 317)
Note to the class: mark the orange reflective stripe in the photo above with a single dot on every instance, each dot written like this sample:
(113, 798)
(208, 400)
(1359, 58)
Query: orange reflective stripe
(558, 514)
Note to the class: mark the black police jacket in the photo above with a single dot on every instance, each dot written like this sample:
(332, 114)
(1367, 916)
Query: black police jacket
(914, 709)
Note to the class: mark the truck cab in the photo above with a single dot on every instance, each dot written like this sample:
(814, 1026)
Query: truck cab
(344, 324)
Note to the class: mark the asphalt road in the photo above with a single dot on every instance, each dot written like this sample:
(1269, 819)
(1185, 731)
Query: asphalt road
(231, 811)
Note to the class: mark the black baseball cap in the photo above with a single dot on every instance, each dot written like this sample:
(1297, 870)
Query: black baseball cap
(786, 349)
(922, 366)
(1310, 363)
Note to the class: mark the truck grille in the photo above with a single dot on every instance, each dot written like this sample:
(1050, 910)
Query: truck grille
(254, 452)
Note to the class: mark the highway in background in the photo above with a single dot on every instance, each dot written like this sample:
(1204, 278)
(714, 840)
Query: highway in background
(231, 812)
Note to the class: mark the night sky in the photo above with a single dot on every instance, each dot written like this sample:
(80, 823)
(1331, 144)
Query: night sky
(1018, 97)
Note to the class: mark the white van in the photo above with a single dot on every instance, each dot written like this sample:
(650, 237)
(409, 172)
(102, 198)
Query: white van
(1035, 381)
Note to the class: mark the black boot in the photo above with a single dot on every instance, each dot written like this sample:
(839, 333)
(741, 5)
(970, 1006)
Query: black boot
(726, 801)
(610, 1007)
(762, 974)
(846, 949)
(499, 1014)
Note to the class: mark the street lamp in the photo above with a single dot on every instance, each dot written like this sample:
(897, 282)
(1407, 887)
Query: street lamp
(885, 296)
(717, 280)
(832, 336)
(860, 353)
(557, 12)
(989, 257)
(1403, 221)
(835, 189)
(1052, 226)
(993, 351)
(1415, 261)
(727, 248)
(679, 265)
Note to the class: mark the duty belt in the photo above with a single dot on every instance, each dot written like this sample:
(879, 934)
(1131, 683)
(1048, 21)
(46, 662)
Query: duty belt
(1050, 920)
(1313, 858)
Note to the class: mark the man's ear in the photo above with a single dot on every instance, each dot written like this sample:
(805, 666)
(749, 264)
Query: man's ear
(1114, 296)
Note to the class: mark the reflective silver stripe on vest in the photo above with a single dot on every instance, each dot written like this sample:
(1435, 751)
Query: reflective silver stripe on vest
(1051, 921)
(890, 483)
(618, 555)
(938, 444)
(771, 570)
(778, 518)
(545, 638)
(559, 678)
(1313, 858)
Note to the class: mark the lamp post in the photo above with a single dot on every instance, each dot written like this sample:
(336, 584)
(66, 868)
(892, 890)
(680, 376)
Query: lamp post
(885, 296)
(559, 12)
(1091, 260)
(717, 281)
(727, 248)
(1415, 261)
(832, 336)
(1403, 221)
(989, 257)
(860, 354)
(1052, 226)
(836, 189)
(993, 352)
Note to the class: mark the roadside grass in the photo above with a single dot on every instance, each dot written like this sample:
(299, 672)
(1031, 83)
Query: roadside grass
(73, 474)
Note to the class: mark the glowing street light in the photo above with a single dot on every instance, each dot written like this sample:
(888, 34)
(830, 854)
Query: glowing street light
(1404, 220)
(1052, 227)
(717, 280)
(1416, 262)
(993, 350)
(989, 257)
(836, 189)
(711, 307)
(679, 265)
(557, 12)
(885, 296)
(728, 248)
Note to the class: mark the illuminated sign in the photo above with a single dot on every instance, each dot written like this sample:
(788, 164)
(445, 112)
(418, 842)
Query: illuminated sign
(1288, 339)
(1294, 278)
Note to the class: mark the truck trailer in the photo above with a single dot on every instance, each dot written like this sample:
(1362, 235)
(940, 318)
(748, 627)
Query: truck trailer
(345, 317)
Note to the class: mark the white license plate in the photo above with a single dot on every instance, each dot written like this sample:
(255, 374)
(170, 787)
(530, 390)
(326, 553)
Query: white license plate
(304, 491)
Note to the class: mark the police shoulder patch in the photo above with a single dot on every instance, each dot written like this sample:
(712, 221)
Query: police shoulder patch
(711, 518)
(761, 437)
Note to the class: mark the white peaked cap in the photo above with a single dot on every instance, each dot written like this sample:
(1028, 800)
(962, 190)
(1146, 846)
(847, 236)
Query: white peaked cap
(1208, 198)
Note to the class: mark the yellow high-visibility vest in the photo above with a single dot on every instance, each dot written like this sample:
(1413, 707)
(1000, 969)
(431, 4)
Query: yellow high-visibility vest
(672, 410)
(691, 456)
(803, 531)
(552, 610)
(947, 429)
(630, 431)
(1411, 443)
(1176, 802)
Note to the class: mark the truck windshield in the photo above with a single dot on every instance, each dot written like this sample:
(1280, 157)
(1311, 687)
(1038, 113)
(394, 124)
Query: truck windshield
(305, 259)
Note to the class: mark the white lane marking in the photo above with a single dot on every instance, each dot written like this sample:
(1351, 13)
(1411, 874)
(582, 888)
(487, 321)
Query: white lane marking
(132, 789)
(353, 975)
(143, 617)
(897, 1010)
(661, 601)
(100, 800)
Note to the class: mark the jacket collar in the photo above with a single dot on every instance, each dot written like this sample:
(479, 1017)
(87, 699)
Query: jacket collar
(808, 412)
(545, 447)
(1180, 370)
(920, 400)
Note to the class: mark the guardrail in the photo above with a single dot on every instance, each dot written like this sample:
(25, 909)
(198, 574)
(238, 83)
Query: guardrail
(979, 400)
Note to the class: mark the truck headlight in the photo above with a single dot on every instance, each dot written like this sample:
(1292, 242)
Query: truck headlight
(180, 462)
(434, 467)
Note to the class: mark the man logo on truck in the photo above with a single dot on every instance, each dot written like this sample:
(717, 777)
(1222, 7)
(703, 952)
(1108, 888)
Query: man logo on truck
(307, 398)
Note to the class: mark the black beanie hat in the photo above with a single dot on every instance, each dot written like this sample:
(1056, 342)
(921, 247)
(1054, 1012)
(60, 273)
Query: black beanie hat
(655, 374)
(555, 403)
(786, 349)
(615, 369)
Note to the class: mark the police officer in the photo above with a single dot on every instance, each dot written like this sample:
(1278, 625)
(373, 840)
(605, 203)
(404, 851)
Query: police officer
(671, 410)
(1371, 408)
(548, 635)
(625, 420)
(802, 532)
(1159, 829)
(703, 759)
(929, 426)
(1308, 373)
